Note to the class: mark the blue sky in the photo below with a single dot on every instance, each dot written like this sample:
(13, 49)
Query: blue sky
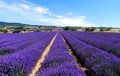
(62, 12)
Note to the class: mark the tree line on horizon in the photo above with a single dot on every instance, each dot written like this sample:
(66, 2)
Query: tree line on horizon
(85, 29)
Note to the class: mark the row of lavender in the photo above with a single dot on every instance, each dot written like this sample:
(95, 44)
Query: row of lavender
(21, 62)
(59, 62)
(98, 42)
(109, 36)
(97, 61)
(18, 42)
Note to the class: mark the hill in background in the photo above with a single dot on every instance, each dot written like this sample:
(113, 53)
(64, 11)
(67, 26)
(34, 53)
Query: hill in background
(21, 28)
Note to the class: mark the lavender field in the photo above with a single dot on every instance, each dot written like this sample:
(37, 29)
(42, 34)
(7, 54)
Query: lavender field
(62, 53)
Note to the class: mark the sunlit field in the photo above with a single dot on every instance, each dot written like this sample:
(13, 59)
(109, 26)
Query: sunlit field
(62, 53)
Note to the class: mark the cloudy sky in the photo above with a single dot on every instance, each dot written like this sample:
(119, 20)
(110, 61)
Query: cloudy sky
(62, 12)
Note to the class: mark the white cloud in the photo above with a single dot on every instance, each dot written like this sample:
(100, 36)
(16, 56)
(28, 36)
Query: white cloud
(41, 10)
(70, 13)
(68, 21)
(25, 6)
(29, 12)
(2, 4)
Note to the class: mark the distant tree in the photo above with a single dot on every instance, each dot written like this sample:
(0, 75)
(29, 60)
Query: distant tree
(90, 28)
(69, 28)
(16, 31)
(4, 30)
(66, 28)
(19, 29)
(105, 28)
(108, 29)
(102, 28)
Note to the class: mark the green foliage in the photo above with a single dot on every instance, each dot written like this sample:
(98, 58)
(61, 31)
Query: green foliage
(4, 52)
(105, 28)
(12, 71)
(18, 72)
(3, 30)
(16, 31)
(90, 28)
(69, 28)
(108, 70)
(66, 28)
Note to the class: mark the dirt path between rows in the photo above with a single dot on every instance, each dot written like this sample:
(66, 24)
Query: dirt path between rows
(71, 53)
(42, 58)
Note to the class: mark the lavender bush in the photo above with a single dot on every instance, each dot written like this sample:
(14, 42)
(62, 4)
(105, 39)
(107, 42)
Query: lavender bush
(59, 62)
(26, 58)
(98, 62)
